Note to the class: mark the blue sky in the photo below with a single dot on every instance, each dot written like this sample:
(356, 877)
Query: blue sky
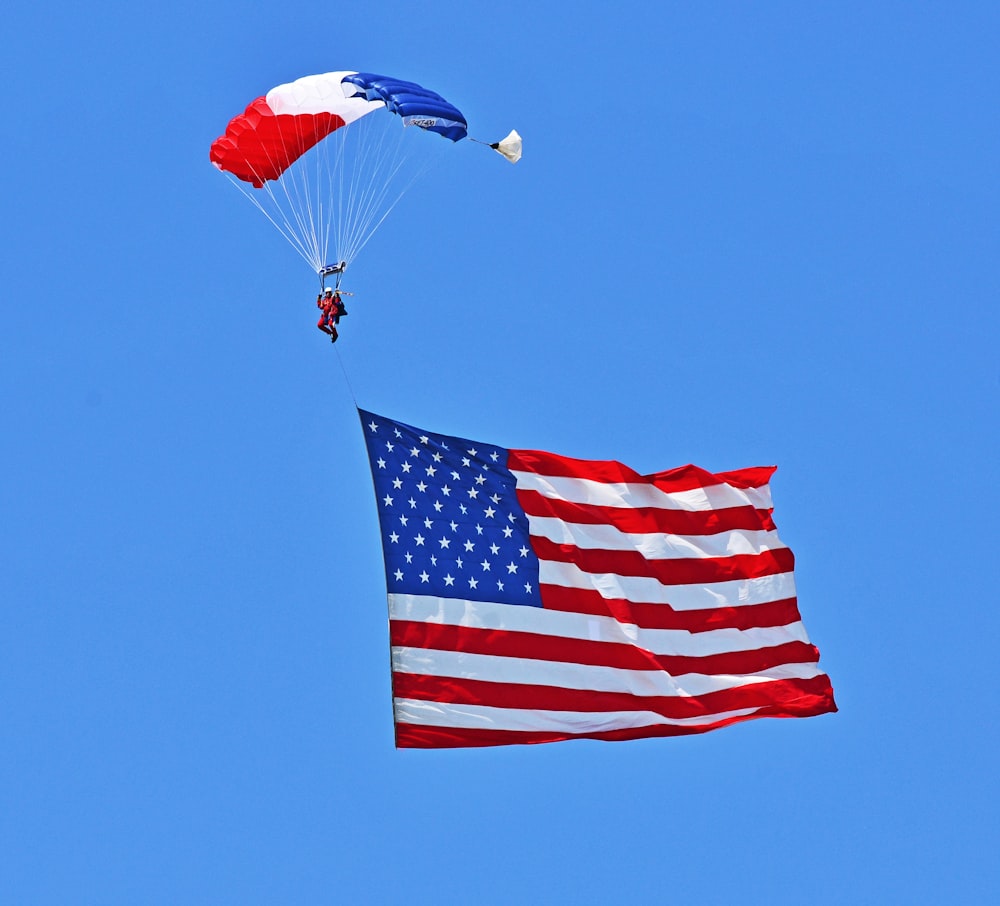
(739, 236)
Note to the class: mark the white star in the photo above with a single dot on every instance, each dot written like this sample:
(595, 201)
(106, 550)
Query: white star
(494, 456)
(469, 546)
(527, 587)
(431, 471)
(421, 487)
(459, 563)
(419, 539)
(406, 467)
(381, 462)
(436, 456)
(414, 452)
(494, 549)
(424, 438)
(399, 575)
(499, 585)
(373, 426)
(485, 565)
(495, 498)
(466, 461)
(438, 506)
(479, 529)
(455, 475)
(473, 493)
(473, 452)
(389, 446)
(387, 500)
(511, 517)
(397, 483)
(409, 557)
(507, 531)
(480, 479)
(397, 432)
(462, 507)
(446, 491)
(524, 551)
(454, 525)
(490, 512)
(473, 582)
(434, 560)
(444, 542)
(394, 538)
(427, 521)
(403, 519)
(449, 579)
(412, 503)
(512, 567)
(423, 576)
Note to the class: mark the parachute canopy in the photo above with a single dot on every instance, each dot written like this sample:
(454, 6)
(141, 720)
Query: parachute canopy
(277, 129)
(328, 158)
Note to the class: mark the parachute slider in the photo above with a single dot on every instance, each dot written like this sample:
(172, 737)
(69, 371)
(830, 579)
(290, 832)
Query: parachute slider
(333, 269)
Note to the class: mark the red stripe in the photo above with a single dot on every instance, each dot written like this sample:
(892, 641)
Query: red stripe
(683, 478)
(663, 616)
(686, 571)
(750, 477)
(793, 697)
(430, 737)
(648, 520)
(420, 736)
(623, 656)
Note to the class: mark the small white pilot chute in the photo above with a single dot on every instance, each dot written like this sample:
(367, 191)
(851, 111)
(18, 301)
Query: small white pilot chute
(509, 147)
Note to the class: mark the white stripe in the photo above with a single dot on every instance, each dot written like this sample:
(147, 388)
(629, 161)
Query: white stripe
(622, 494)
(322, 93)
(644, 590)
(527, 671)
(484, 717)
(511, 618)
(654, 545)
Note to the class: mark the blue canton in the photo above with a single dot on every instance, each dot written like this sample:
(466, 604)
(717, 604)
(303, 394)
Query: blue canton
(451, 523)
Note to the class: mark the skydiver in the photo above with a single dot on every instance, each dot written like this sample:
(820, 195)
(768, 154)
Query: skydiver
(332, 309)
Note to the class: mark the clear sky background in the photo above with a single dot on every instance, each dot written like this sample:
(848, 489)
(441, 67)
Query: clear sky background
(740, 235)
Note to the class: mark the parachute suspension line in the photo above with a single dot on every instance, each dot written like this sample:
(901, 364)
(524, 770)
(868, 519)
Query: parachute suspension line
(357, 190)
(346, 188)
(367, 179)
(345, 194)
(389, 159)
(381, 152)
(292, 210)
(293, 183)
(324, 202)
(293, 233)
(285, 230)
(417, 173)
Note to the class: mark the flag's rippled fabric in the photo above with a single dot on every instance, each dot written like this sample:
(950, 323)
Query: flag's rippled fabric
(535, 598)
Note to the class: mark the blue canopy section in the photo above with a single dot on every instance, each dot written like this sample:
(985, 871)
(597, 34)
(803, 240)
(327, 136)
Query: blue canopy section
(418, 106)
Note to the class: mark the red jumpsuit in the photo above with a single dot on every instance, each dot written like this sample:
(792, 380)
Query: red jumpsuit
(332, 309)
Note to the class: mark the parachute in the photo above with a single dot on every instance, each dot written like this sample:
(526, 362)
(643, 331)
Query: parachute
(328, 156)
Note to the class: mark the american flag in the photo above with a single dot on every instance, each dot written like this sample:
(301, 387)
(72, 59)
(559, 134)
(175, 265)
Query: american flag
(535, 598)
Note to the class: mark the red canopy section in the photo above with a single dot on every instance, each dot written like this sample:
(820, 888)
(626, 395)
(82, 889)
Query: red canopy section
(259, 145)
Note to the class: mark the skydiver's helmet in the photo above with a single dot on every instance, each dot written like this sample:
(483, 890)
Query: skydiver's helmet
(328, 291)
